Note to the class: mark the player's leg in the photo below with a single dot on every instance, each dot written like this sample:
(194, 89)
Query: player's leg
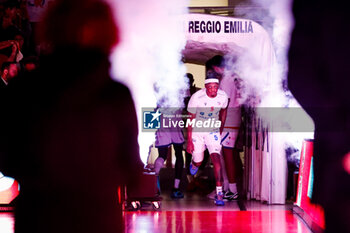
(231, 173)
(232, 162)
(197, 158)
(163, 141)
(225, 184)
(215, 158)
(188, 162)
(213, 141)
(179, 164)
(198, 152)
(159, 162)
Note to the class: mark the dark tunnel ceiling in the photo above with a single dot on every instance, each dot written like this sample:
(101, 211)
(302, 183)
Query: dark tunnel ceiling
(199, 52)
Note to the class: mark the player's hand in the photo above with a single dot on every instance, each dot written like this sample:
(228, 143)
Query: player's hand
(190, 147)
(14, 46)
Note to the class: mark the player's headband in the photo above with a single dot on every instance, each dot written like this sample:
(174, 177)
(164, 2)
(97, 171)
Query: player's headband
(211, 80)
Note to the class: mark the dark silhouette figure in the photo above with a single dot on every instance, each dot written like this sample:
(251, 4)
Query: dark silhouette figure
(319, 79)
(70, 137)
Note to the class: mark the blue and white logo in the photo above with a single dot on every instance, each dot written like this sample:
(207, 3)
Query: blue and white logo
(151, 119)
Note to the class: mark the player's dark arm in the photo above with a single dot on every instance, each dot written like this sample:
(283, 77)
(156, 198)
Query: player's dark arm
(222, 116)
(190, 146)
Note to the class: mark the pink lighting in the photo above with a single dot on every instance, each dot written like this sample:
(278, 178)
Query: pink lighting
(278, 221)
(10, 192)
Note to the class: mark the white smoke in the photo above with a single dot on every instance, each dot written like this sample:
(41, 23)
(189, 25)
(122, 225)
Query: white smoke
(276, 18)
(263, 79)
(148, 58)
(265, 90)
(281, 12)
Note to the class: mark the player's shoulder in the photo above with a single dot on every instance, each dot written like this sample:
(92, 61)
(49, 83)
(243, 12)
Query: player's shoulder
(222, 94)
